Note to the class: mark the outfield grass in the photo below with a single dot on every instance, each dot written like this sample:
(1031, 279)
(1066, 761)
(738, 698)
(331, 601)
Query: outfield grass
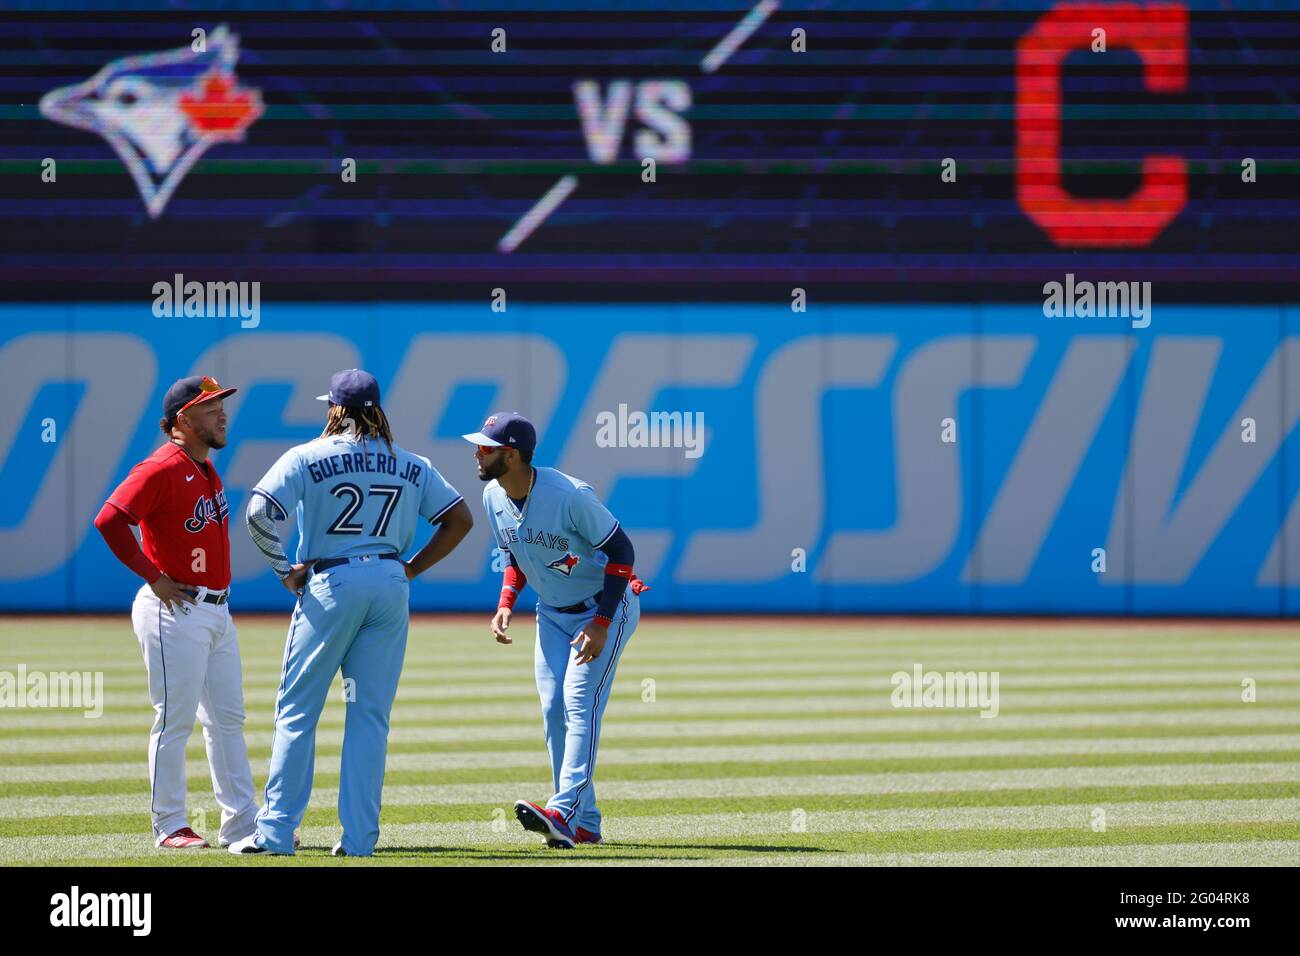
(763, 743)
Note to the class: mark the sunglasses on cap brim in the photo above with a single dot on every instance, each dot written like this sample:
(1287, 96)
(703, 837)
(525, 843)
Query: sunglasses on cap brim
(206, 388)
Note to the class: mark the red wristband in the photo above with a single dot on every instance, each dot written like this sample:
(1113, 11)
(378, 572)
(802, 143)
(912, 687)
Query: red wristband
(619, 570)
(602, 620)
(507, 599)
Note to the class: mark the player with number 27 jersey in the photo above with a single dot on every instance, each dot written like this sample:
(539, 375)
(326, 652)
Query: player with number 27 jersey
(358, 498)
(354, 499)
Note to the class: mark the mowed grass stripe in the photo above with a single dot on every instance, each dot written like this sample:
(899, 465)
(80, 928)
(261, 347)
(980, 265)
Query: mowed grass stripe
(709, 828)
(437, 703)
(878, 688)
(432, 637)
(1087, 663)
(758, 628)
(684, 770)
(1244, 853)
(628, 700)
(49, 744)
(263, 674)
(795, 848)
(87, 772)
(1253, 852)
(1054, 657)
(58, 762)
(625, 712)
(802, 784)
(843, 680)
(842, 674)
(685, 807)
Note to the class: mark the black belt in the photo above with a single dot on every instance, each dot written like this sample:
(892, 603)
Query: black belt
(211, 598)
(328, 563)
(582, 605)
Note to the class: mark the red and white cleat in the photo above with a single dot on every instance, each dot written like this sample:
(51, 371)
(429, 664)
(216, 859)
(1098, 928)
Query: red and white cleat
(549, 823)
(582, 835)
(184, 839)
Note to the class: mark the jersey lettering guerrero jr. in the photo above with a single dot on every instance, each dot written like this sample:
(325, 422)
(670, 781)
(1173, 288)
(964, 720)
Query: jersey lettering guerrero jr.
(180, 506)
(355, 497)
(556, 536)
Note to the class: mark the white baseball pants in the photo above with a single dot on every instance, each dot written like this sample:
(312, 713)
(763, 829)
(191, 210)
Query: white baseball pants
(192, 658)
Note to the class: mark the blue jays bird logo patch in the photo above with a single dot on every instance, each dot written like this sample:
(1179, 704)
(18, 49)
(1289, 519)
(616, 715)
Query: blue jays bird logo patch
(162, 111)
(564, 565)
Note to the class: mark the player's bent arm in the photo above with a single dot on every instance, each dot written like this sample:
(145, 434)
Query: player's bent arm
(618, 575)
(453, 525)
(263, 512)
(115, 525)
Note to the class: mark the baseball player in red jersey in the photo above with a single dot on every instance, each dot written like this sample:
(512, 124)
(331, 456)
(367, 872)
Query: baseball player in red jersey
(181, 615)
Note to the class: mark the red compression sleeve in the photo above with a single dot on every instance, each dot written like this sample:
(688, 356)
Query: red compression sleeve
(116, 529)
(512, 582)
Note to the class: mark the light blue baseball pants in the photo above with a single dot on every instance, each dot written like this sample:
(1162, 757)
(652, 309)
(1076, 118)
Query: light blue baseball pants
(573, 700)
(353, 617)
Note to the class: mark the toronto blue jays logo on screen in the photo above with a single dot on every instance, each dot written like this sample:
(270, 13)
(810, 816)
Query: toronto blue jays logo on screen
(162, 111)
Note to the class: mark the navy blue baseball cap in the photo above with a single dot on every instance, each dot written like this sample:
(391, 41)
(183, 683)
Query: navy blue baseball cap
(352, 387)
(188, 392)
(508, 429)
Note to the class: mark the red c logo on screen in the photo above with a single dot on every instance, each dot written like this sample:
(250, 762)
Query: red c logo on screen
(1158, 34)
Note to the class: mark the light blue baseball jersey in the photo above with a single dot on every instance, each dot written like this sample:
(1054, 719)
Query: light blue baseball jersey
(355, 497)
(556, 536)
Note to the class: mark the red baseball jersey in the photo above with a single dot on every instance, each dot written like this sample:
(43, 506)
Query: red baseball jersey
(180, 507)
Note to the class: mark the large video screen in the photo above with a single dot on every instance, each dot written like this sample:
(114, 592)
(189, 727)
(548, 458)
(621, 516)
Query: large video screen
(598, 151)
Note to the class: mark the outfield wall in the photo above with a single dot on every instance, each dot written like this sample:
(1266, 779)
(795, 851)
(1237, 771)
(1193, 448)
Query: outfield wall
(823, 483)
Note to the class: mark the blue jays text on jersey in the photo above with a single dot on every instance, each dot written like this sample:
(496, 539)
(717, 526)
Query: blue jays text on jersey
(557, 536)
(509, 536)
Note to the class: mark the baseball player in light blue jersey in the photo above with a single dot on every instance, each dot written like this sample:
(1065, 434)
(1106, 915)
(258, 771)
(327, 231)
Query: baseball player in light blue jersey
(358, 498)
(562, 540)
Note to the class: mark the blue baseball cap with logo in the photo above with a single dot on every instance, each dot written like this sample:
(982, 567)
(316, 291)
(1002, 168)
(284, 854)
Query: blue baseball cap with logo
(509, 429)
(352, 387)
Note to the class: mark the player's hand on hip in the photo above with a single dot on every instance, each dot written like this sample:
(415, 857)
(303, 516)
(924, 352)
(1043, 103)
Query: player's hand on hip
(589, 642)
(296, 579)
(169, 592)
(500, 622)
